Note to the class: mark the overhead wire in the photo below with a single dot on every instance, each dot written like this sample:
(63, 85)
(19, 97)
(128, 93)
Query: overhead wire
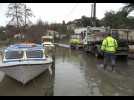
(71, 11)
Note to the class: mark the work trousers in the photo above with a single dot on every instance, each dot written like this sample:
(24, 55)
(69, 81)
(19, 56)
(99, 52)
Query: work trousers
(109, 58)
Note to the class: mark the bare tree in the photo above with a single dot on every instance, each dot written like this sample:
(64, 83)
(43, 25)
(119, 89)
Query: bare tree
(27, 13)
(19, 14)
(15, 12)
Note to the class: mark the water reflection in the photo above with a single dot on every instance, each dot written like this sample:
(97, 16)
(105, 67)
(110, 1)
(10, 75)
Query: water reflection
(70, 79)
(78, 73)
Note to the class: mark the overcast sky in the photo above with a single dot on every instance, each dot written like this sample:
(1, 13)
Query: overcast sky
(57, 12)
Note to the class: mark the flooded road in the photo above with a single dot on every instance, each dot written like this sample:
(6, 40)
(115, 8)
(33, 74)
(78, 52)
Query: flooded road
(75, 74)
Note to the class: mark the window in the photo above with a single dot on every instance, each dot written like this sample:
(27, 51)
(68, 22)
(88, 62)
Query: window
(14, 55)
(34, 54)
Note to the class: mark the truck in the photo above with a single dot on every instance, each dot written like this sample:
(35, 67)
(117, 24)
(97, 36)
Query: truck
(76, 39)
(94, 36)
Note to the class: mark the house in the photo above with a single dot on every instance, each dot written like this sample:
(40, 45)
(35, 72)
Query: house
(52, 33)
(71, 25)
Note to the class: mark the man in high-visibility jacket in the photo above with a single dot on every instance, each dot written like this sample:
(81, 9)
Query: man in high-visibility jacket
(109, 47)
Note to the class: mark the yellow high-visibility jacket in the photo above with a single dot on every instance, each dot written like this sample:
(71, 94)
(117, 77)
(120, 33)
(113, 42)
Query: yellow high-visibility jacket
(109, 45)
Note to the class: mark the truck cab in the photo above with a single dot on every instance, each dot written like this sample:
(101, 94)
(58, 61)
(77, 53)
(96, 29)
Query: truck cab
(93, 39)
(76, 39)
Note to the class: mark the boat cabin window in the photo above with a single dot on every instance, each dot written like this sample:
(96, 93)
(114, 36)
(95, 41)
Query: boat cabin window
(14, 55)
(34, 54)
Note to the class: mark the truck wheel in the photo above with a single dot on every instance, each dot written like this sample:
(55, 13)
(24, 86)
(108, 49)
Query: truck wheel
(85, 49)
(125, 58)
(72, 47)
(96, 53)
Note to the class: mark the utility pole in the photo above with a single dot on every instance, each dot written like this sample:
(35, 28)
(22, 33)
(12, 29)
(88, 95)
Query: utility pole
(93, 14)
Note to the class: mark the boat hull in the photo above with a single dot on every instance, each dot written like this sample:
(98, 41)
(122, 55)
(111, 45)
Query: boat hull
(26, 72)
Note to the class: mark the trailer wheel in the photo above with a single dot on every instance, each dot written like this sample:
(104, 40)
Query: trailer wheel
(124, 58)
(72, 47)
(97, 54)
(85, 49)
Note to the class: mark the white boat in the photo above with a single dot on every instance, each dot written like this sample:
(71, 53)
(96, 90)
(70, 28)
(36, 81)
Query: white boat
(48, 42)
(24, 62)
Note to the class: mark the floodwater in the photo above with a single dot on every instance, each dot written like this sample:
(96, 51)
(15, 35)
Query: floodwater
(75, 74)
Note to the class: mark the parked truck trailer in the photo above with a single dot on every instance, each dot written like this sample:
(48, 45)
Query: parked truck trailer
(94, 37)
(127, 35)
